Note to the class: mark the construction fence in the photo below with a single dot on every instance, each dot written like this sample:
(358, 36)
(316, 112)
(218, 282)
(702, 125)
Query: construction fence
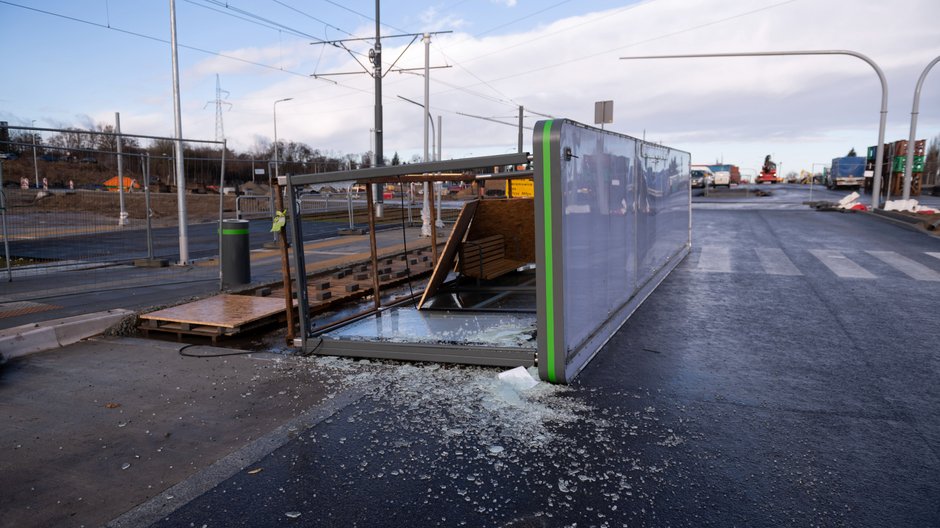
(78, 212)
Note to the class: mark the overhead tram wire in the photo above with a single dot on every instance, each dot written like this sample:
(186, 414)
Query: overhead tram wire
(627, 8)
(150, 37)
(249, 20)
(507, 100)
(230, 57)
(645, 41)
(164, 41)
(514, 21)
(564, 29)
(477, 77)
(255, 16)
(298, 11)
(342, 43)
(264, 22)
(459, 88)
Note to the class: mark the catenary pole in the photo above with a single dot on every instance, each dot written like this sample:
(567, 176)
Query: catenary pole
(425, 205)
(35, 163)
(178, 145)
(377, 75)
(122, 216)
(521, 111)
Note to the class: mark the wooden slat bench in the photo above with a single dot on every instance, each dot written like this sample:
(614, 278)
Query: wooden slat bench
(485, 258)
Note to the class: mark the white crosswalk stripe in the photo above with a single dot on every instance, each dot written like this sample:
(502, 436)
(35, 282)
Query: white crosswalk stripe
(911, 268)
(841, 265)
(775, 262)
(714, 259)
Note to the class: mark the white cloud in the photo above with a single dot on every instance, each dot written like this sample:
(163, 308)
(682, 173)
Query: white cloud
(807, 109)
(432, 20)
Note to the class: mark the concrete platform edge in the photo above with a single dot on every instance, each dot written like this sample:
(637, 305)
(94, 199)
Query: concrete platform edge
(47, 335)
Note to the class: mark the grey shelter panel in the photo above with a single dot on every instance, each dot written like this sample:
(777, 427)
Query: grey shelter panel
(544, 280)
(613, 218)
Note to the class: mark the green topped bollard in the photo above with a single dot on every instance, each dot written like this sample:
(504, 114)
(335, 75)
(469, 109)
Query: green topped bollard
(236, 266)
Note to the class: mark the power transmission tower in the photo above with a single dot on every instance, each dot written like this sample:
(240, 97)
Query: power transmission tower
(219, 101)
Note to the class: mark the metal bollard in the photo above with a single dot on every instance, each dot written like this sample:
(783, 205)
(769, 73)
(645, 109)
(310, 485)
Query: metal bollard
(236, 265)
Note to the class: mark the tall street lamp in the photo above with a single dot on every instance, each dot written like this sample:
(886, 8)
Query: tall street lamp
(35, 164)
(879, 152)
(425, 206)
(276, 171)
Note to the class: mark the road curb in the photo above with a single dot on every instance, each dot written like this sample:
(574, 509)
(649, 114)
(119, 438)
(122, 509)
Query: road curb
(47, 335)
(911, 224)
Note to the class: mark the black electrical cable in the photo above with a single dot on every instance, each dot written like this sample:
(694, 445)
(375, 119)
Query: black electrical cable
(404, 241)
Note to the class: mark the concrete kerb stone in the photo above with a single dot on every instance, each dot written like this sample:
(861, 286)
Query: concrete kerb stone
(911, 224)
(47, 335)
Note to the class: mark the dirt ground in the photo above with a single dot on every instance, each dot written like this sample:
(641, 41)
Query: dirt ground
(199, 207)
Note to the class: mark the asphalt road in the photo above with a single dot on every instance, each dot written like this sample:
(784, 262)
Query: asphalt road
(132, 244)
(785, 374)
(33, 298)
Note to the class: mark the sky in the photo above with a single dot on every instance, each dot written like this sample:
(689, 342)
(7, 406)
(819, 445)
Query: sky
(77, 62)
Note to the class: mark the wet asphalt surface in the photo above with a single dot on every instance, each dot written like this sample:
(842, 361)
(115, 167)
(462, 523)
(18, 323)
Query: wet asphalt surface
(132, 243)
(733, 397)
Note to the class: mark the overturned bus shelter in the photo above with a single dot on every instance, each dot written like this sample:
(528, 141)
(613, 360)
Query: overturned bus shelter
(543, 280)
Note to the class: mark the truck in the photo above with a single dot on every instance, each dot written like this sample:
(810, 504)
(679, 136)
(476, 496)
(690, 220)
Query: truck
(715, 178)
(768, 172)
(726, 174)
(848, 171)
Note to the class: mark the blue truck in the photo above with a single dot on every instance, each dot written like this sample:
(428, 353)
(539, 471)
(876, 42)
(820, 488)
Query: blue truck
(848, 171)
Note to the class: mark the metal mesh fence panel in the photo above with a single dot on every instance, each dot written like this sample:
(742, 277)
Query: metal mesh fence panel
(77, 219)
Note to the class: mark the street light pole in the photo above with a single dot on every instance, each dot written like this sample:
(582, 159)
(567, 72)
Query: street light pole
(178, 144)
(909, 163)
(122, 215)
(276, 171)
(425, 206)
(879, 156)
(35, 163)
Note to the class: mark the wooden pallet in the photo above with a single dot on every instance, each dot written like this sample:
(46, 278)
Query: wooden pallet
(215, 317)
(485, 258)
(897, 184)
(392, 272)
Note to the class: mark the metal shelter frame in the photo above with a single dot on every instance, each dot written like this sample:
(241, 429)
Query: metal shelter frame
(413, 173)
